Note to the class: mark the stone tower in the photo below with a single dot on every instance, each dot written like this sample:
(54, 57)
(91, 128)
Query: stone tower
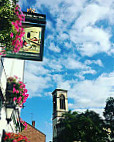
(60, 106)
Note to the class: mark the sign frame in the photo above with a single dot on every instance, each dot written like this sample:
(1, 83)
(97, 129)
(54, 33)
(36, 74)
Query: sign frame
(35, 20)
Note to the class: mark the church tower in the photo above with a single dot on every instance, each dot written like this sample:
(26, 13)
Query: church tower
(60, 106)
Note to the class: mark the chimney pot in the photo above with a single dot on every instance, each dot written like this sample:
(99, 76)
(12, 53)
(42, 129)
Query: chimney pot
(33, 123)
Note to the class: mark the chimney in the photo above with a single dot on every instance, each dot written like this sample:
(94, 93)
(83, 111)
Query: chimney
(33, 123)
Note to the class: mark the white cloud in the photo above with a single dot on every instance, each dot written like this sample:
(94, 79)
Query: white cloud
(97, 62)
(76, 21)
(105, 3)
(49, 25)
(48, 94)
(55, 65)
(36, 68)
(62, 83)
(92, 93)
(80, 76)
(36, 84)
(63, 36)
(95, 40)
(90, 71)
(97, 110)
(68, 45)
(71, 63)
(90, 14)
(54, 48)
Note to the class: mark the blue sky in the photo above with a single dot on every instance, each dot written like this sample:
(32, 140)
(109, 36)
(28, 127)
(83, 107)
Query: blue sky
(78, 57)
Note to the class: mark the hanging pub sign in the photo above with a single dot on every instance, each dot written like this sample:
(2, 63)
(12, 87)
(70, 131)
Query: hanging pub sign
(33, 40)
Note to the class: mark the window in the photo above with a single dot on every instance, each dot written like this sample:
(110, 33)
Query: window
(62, 102)
(54, 103)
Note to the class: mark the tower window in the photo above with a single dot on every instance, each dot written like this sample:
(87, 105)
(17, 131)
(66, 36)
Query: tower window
(54, 103)
(62, 102)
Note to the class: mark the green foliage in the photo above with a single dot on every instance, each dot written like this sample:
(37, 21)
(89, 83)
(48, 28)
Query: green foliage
(109, 115)
(6, 17)
(84, 127)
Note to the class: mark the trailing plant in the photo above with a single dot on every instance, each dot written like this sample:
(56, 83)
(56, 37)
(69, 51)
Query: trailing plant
(23, 124)
(16, 90)
(11, 31)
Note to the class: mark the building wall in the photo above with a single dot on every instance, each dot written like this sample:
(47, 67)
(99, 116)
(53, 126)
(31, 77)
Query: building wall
(3, 78)
(8, 67)
(8, 127)
(14, 67)
(58, 112)
(33, 134)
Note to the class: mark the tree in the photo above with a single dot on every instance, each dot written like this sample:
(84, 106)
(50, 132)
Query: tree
(84, 127)
(109, 115)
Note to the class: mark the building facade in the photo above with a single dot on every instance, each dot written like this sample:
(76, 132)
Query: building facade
(9, 67)
(60, 106)
(33, 134)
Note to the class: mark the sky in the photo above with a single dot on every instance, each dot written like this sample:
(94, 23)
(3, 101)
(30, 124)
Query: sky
(78, 57)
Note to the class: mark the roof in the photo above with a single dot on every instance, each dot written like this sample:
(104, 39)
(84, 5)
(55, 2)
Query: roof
(58, 90)
(35, 128)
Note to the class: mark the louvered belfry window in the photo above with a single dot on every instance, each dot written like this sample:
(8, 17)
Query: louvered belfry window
(62, 101)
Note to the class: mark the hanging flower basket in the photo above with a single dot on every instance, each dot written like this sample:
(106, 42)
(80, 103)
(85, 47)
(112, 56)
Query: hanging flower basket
(11, 31)
(16, 91)
(11, 137)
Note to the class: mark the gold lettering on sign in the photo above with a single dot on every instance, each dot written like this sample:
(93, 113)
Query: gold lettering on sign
(30, 10)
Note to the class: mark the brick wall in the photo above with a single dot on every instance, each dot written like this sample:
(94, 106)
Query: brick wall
(33, 134)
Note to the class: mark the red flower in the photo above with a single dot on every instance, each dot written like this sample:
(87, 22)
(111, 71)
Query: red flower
(11, 137)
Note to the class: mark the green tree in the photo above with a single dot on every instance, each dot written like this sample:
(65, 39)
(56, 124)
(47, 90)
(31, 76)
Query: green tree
(84, 127)
(109, 115)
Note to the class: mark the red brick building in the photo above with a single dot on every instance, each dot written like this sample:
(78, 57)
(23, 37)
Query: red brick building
(33, 134)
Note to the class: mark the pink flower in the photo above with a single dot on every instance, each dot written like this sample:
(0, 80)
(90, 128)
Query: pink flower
(17, 91)
(15, 76)
(17, 28)
(24, 87)
(25, 90)
(14, 90)
(21, 86)
(17, 13)
(20, 24)
(14, 98)
(19, 99)
(27, 95)
(20, 82)
(23, 94)
(11, 35)
(20, 18)
(17, 6)
(13, 42)
(13, 23)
